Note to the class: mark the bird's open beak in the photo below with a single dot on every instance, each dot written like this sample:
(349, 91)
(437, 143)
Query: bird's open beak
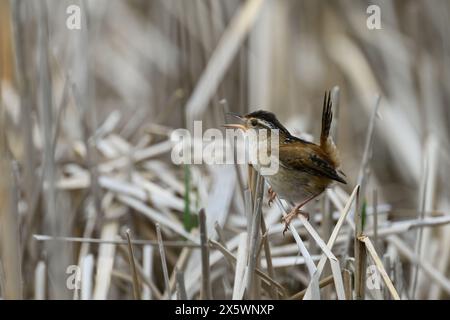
(235, 125)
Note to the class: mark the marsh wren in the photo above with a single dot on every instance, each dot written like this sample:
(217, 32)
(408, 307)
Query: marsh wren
(305, 169)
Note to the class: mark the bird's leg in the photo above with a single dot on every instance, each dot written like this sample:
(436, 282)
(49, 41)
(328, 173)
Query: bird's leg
(272, 195)
(294, 212)
(291, 215)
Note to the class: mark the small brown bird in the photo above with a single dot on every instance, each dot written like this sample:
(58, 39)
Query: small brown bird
(305, 169)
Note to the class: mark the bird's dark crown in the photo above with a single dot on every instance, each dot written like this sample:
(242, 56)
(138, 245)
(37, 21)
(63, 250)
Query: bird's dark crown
(270, 118)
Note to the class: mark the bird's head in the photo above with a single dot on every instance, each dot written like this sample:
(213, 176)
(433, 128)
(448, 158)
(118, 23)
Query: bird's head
(258, 120)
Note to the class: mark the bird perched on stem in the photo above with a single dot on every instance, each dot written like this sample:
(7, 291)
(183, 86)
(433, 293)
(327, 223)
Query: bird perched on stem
(305, 169)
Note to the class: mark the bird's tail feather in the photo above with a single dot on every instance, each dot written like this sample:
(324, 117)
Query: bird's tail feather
(326, 141)
(327, 117)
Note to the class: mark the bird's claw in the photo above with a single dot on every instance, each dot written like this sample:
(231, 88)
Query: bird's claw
(272, 196)
(291, 215)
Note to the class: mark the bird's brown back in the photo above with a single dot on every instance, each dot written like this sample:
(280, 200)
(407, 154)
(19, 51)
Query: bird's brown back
(308, 157)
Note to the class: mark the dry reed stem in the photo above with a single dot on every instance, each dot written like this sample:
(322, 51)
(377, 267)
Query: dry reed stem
(375, 216)
(380, 267)
(222, 56)
(181, 288)
(87, 268)
(315, 292)
(163, 261)
(105, 261)
(206, 292)
(255, 237)
(9, 229)
(322, 283)
(426, 267)
(175, 244)
(232, 258)
(136, 285)
(17, 8)
(181, 263)
(344, 213)
(40, 281)
(144, 278)
(359, 252)
(156, 216)
(347, 276)
(335, 268)
(268, 256)
(426, 202)
(241, 262)
(309, 262)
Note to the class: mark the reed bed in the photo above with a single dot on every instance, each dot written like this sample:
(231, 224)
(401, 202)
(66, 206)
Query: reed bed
(93, 207)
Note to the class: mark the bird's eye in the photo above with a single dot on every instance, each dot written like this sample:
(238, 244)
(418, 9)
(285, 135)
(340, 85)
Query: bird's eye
(254, 122)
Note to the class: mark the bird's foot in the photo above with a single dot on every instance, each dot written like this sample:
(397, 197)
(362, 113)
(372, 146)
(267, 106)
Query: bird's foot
(291, 215)
(272, 196)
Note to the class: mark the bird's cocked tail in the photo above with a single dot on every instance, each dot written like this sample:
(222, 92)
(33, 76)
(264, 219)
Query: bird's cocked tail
(326, 141)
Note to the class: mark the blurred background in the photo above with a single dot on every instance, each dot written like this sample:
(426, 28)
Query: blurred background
(86, 118)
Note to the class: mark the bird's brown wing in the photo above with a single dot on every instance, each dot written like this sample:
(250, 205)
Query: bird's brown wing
(308, 158)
